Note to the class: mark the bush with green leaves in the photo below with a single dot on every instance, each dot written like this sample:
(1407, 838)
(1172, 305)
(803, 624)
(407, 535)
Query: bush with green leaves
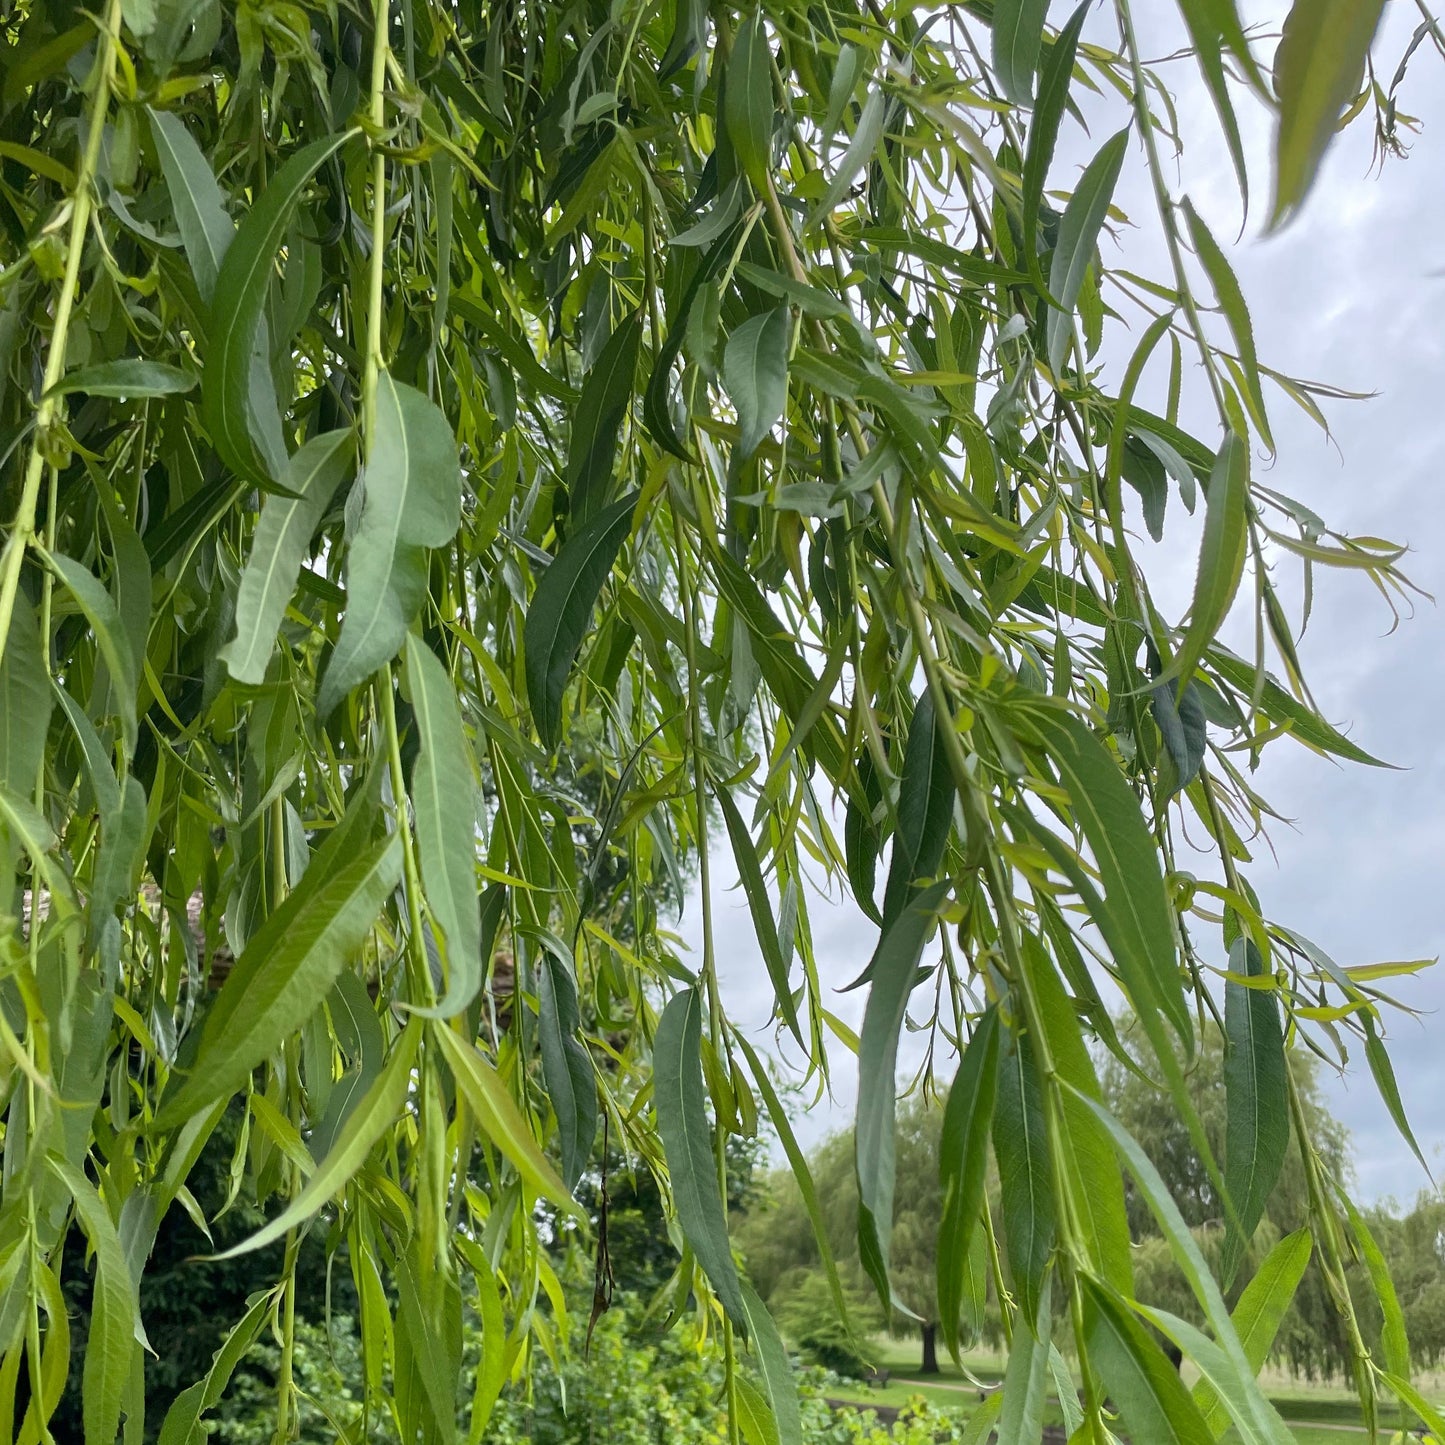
(464, 463)
(326, 1374)
(809, 1317)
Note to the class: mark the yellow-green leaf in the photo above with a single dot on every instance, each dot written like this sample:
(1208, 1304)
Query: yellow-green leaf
(499, 1118)
(1318, 68)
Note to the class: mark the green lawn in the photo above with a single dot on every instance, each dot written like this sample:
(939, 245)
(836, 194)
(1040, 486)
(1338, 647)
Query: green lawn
(1301, 1403)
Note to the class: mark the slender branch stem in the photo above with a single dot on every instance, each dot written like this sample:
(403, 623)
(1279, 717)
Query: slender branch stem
(285, 1375)
(22, 529)
(375, 299)
(1165, 208)
(704, 878)
(418, 966)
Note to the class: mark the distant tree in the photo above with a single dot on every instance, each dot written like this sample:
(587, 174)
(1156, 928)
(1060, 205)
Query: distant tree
(1414, 1248)
(782, 1254)
(783, 1260)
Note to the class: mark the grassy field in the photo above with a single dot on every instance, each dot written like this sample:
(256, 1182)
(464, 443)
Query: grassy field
(1318, 1413)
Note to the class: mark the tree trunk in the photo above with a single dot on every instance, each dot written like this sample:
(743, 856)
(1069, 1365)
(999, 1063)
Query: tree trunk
(930, 1350)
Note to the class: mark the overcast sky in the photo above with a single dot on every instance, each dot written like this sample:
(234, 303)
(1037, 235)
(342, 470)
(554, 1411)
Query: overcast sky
(1351, 294)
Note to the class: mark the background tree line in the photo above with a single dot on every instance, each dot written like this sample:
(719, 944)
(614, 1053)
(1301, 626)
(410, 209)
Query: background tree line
(777, 1239)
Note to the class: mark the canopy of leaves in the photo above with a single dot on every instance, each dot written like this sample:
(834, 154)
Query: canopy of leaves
(455, 452)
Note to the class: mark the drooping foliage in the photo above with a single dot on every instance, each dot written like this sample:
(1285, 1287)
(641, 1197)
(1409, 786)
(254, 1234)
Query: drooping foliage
(462, 463)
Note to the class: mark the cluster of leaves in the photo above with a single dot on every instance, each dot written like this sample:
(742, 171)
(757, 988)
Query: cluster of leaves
(638, 1385)
(455, 451)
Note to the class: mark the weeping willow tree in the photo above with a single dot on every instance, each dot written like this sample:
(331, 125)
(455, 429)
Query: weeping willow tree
(466, 464)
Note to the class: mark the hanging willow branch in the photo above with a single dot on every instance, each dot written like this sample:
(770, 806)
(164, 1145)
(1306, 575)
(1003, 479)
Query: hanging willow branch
(462, 462)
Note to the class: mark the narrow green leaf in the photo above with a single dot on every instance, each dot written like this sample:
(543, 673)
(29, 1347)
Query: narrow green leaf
(846, 70)
(755, 371)
(240, 296)
(657, 399)
(500, 1119)
(1257, 1316)
(978, 1428)
(98, 769)
(1393, 1337)
(1018, 37)
(1210, 24)
(566, 1064)
(687, 1146)
(688, 35)
(1231, 300)
(379, 1108)
(755, 887)
(862, 841)
(1086, 1157)
(105, 626)
(358, 1031)
(859, 154)
(206, 233)
(894, 971)
(26, 826)
(1026, 1377)
(25, 702)
(278, 549)
(1318, 69)
(1179, 713)
(1185, 1249)
(413, 500)
(1048, 115)
(114, 1313)
(130, 576)
(206, 230)
(1276, 702)
(788, 677)
(1146, 474)
(925, 807)
(444, 798)
(716, 222)
(1066, 1392)
(1221, 552)
(1150, 1396)
(1384, 1073)
(561, 610)
(1135, 919)
(798, 1162)
(775, 1368)
(748, 105)
(1078, 239)
(597, 424)
(1233, 1392)
(1020, 1143)
(755, 1416)
(130, 378)
(123, 838)
(1412, 1399)
(428, 1329)
(181, 1425)
(287, 968)
(963, 1167)
(1256, 1091)
(492, 1368)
